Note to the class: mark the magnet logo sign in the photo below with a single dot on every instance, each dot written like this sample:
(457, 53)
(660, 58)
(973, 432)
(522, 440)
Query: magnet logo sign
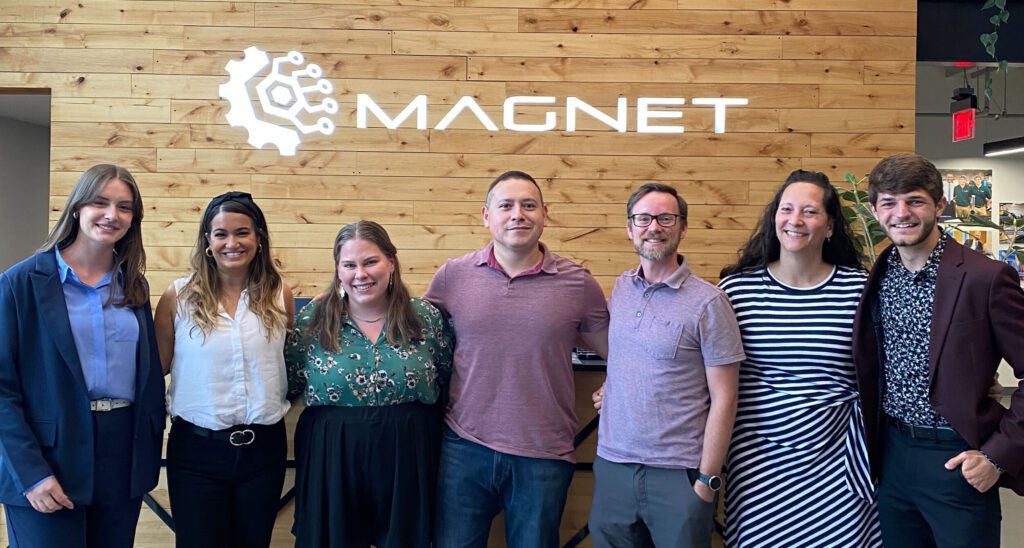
(283, 97)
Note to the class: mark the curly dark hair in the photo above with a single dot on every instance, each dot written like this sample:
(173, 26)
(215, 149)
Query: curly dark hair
(763, 246)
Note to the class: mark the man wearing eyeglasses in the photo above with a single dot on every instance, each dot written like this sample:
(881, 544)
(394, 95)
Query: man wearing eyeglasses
(668, 404)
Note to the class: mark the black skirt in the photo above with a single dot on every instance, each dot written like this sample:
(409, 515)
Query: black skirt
(366, 475)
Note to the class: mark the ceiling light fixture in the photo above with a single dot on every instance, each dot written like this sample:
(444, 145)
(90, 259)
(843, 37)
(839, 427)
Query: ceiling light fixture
(1001, 148)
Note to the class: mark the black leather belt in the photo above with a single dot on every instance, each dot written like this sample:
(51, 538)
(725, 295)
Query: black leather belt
(924, 432)
(243, 434)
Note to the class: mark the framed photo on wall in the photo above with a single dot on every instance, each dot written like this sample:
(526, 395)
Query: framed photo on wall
(968, 191)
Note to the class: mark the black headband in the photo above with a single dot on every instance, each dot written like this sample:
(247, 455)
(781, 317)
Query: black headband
(242, 198)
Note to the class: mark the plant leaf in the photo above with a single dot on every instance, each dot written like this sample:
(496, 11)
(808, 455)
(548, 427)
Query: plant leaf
(1004, 15)
(995, 19)
(848, 196)
(988, 4)
(1004, 65)
(977, 220)
(990, 50)
(850, 178)
(863, 211)
(984, 39)
(1001, 4)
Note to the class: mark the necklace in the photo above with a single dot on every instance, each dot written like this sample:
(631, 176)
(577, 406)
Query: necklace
(364, 320)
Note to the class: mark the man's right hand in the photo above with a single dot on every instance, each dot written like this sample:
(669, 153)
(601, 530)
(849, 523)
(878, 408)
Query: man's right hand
(48, 497)
(598, 398)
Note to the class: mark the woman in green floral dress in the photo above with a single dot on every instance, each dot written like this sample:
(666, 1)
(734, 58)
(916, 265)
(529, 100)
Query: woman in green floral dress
(371, 363)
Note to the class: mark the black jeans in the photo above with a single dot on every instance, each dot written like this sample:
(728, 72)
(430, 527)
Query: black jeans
(923, 505)
(225, 496)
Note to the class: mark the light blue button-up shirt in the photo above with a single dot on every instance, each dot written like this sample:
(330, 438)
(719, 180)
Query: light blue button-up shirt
(106, 336)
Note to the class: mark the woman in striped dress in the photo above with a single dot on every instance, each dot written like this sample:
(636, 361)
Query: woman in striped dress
(797, 466)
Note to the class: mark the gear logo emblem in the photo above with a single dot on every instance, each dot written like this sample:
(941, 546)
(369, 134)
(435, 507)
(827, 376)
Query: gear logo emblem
(280, 95)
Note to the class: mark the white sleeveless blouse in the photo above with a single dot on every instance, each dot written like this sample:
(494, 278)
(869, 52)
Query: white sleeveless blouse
(233, 376)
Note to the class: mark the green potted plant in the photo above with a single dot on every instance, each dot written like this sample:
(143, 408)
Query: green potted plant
(868, 234)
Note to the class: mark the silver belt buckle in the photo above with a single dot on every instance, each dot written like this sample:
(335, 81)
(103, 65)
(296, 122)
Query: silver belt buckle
(239, 438)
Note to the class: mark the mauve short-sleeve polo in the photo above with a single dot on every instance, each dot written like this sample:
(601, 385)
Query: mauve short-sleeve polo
(661, 338)
(512, 386)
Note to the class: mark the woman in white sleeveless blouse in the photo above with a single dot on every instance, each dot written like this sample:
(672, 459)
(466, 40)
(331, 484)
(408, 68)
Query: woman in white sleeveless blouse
(221, 331)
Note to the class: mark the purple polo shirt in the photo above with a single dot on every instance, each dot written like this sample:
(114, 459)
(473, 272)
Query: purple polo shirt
(661, 337)
(512, 384)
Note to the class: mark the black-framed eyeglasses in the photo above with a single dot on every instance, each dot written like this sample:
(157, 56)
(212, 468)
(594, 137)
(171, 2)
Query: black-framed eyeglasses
(643, 219)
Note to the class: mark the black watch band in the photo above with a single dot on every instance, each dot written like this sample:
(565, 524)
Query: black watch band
(713, 482)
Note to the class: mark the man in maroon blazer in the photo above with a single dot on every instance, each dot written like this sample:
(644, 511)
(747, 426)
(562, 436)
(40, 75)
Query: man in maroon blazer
(934, 323)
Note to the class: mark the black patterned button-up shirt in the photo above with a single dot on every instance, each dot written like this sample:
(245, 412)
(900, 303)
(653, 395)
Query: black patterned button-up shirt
(907, 300)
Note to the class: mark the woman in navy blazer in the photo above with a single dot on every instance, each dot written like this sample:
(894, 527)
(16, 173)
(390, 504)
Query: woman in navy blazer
(81, 389)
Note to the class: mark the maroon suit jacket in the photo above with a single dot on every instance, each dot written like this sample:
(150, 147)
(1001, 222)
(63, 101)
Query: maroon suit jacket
(977, 320)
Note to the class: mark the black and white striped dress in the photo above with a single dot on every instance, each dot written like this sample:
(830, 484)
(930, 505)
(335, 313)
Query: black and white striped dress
(797, 466)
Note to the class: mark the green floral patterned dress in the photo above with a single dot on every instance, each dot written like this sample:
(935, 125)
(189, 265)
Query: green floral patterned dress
(370, 373)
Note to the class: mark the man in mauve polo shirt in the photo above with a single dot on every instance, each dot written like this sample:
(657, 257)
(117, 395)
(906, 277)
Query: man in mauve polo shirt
(670, 398)
(516, 310)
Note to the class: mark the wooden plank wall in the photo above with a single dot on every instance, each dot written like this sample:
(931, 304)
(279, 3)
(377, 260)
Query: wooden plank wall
(830, 86)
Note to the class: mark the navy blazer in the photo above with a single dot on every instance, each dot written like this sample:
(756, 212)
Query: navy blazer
(45, 422)
(977, 320)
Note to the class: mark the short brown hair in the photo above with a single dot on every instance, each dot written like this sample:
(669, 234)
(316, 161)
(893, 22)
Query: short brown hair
(902, 173)
(648, 188)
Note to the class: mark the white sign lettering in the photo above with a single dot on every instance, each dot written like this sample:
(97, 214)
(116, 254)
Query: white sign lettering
(285, 97)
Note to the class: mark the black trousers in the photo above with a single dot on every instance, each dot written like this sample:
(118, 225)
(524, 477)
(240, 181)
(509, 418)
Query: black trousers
(923, 505)
(109, 521)
(225, 496)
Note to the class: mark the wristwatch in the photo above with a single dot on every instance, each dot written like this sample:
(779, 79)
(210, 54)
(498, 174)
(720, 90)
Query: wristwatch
(713, 482)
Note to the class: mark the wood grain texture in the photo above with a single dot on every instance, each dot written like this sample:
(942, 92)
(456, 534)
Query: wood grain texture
(84, 109)
(825, 5)
(829, 83)
(730, 71)
(70, 36)
(282, 39)
(72, 60)
(338, 66)
(386, 18)
(131, 12)
(615, 46)
(70, 84)
(709, 22)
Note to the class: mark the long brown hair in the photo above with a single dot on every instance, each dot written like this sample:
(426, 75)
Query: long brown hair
(401, 324)
(202, 291)
(129, 255)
